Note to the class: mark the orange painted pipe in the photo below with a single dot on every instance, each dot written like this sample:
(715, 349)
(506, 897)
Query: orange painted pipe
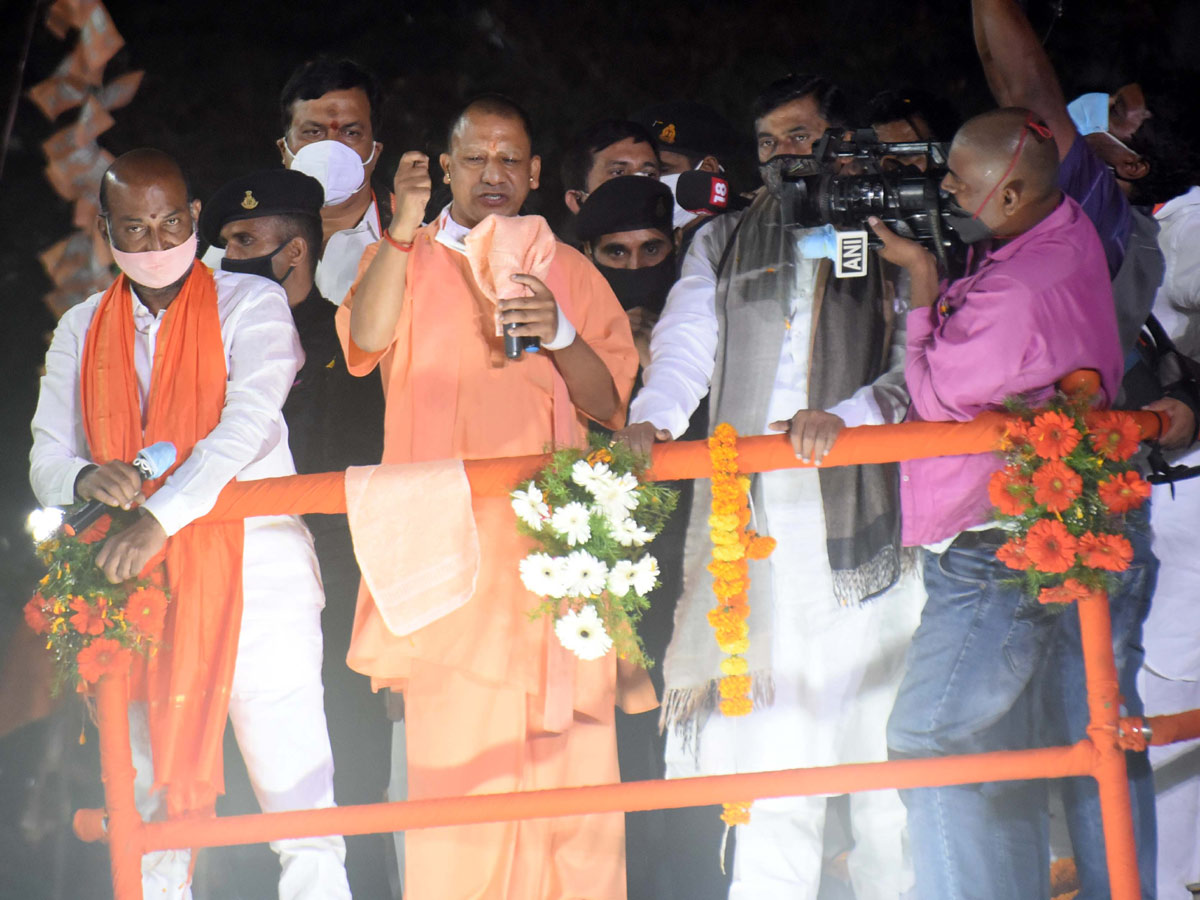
(124, 826)
(1052, 762)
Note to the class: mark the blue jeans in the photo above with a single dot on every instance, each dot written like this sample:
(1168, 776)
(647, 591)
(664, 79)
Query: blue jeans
(1066, 718)
(969, 688)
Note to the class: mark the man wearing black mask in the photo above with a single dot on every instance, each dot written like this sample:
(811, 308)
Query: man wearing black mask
(269, 224)
(626, 231)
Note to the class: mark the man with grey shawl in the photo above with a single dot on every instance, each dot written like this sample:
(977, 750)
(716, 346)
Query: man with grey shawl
(758, 322)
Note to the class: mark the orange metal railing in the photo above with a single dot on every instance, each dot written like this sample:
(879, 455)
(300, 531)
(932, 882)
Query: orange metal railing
(1100, 756)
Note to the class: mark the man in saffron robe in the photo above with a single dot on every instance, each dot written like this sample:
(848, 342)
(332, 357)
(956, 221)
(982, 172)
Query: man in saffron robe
(492, 701)
(174, 352)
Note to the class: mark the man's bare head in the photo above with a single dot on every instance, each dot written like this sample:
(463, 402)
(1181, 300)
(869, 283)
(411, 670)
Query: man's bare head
(1004, 170)
(144, 202)
(489, 162)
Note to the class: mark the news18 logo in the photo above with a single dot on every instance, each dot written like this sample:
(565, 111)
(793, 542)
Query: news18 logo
(720, 194)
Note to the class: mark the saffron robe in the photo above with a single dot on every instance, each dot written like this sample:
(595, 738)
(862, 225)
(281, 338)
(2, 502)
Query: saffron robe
(493, 702)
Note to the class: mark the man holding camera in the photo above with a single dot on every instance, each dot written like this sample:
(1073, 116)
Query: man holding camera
(779, 344)
(1034, 305)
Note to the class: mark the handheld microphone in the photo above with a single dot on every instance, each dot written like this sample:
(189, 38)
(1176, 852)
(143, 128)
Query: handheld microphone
(150, 463)
(703, 192)
(515, 345)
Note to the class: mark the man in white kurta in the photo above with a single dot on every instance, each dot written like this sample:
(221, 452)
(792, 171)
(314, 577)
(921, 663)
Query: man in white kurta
(1170, 678)
(276, 697)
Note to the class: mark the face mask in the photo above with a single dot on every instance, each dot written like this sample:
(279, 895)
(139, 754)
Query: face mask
(680, 216)
(646, 287)
(156, 269)
(969, 229)
(257, 265)
(1089, 112)
(340, 170)
(773, 169)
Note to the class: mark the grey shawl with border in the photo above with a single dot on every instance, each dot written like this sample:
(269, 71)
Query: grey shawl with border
(853, 330)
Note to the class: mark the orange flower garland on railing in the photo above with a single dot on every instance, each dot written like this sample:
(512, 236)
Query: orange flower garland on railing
(734, 544)
(1065, 487)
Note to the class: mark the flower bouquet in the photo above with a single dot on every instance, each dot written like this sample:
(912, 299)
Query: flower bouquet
(592, 517)
(1065, 487)
(91, 626)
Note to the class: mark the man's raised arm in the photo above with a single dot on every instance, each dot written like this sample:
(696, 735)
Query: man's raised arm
(377, 302)
(1017, 68)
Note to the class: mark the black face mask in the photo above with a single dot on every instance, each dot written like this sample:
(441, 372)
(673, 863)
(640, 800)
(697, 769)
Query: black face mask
(969, 229)
(646, 287)
(257, 265)
(773, 170)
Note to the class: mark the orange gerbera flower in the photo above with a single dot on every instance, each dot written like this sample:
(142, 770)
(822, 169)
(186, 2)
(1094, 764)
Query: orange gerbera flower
(1053, 435)
(35, 614)
(1051, 547)
(101, 657)
(1014, 555)
(97, 531)
(1114, 435)
(1110, 552)
(1079, 590)
(1016, 431)
(1056, 485)
(1009, 491)
(1123, 492)
(89, 619)
(146, 610)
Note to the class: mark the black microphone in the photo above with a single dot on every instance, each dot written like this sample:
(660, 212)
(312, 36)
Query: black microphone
(703, 192)
(515, 345)
(150, 463)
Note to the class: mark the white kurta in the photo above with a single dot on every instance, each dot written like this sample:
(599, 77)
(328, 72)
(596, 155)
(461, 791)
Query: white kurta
(338, 265)
(276, 700)
(1170, 679)
(836, 669)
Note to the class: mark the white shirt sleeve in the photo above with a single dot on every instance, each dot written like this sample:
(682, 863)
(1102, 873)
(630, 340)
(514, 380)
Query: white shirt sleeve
(263, 353)
(683, 346)
(59, 444)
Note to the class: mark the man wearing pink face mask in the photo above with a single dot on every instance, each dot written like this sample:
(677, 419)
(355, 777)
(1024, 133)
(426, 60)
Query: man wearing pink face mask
(172, 351)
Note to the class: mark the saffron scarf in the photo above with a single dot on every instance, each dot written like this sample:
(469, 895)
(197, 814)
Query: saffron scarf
(187, 680)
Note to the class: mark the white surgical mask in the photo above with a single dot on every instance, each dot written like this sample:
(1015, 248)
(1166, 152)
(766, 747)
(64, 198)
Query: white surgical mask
(679, 216)
(339, 168)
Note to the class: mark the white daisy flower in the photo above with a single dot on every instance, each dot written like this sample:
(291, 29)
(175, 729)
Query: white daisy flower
(571, 521)
(583, 633)
(588, 476)
(530, 506)
(585, 575)
(645, 574)
(617, 495)
(544, 574)
(620, 578)
(625, 531)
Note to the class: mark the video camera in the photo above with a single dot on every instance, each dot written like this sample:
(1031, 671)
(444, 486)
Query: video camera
(845, 180)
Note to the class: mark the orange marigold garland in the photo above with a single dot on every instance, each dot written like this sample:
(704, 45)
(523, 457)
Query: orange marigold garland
(1063, 492)
(92, 627)
(734, 544)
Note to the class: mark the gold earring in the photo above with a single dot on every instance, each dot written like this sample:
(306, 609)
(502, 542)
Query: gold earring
(446, 178)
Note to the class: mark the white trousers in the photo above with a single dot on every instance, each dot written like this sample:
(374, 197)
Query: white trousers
(276, 707)
(836, 671)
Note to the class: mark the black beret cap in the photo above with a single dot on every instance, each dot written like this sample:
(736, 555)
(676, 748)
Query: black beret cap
(271, 192)
(685, 126)
(626, 203)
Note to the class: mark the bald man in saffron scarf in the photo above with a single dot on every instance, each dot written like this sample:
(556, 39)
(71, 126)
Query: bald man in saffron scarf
(493, 702)
(173, 352)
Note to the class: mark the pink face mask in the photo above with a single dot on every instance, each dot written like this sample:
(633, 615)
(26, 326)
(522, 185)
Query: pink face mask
(157, 268)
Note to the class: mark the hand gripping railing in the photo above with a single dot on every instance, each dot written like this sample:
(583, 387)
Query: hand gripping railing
(1100, 756)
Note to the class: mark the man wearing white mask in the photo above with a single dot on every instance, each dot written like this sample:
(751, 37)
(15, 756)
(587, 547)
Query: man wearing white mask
(172, 351)
(329, 112)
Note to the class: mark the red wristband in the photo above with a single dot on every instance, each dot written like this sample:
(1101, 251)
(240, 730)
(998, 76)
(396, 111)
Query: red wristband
(402, 246)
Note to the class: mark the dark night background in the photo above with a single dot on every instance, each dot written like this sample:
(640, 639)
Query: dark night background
(209, 97)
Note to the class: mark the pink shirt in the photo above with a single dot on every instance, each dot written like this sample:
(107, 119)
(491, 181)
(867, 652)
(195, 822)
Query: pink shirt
(1032, 310)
